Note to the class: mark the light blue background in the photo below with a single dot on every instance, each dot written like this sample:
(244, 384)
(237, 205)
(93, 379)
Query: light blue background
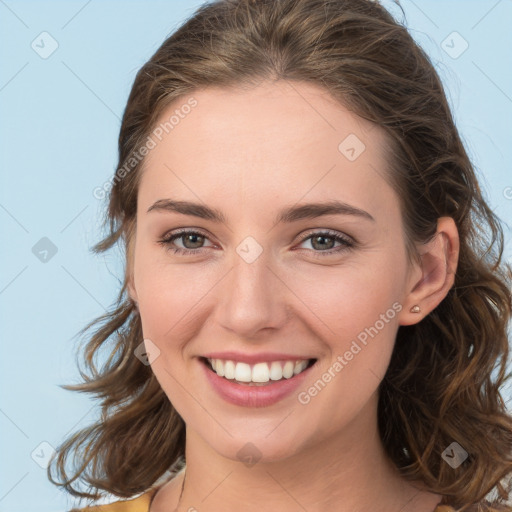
(60, 119)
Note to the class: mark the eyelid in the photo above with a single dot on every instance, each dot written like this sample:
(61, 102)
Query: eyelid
(172, 235)
(303, 236)
(347, 242)
(179, 231)
(330, 232)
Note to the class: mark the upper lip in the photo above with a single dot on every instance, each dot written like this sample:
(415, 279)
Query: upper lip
(255, 358)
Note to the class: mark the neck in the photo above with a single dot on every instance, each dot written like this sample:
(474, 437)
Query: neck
(348, 472)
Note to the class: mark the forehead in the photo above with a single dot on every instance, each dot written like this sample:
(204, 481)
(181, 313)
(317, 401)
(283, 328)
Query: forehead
(277, 139)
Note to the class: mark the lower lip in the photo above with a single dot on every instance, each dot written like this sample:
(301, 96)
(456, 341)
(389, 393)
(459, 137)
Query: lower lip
(254, 396)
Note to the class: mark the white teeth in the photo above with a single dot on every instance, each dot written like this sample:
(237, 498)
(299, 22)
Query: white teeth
(288, 369)
(299, 367)
(260, 372)
(243, 372)
(229, 368)
(276, 371)
(219, 367)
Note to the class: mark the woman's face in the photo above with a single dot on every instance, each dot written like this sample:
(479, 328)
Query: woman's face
(271, 281)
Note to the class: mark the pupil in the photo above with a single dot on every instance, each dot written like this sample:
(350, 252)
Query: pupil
(315, 239)
(191, 237)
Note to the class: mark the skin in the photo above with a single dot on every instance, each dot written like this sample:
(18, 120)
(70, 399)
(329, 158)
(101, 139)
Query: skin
(249, 153)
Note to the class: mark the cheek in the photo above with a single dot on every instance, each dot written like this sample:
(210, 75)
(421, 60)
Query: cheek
(345, 300)
(356, 318)
(356, 325)
(170, 298)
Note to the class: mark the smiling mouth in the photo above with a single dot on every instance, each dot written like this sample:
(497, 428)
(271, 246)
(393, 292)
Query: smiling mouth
(259, 374)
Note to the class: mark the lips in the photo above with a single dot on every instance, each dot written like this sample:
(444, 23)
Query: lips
(254, 394)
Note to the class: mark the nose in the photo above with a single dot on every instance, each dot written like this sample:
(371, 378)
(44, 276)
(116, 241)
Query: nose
(252, 298)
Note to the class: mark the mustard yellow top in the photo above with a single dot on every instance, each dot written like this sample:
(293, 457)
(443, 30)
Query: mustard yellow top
(143, 502)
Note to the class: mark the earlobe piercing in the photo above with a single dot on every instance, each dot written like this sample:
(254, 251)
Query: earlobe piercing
(415, 309)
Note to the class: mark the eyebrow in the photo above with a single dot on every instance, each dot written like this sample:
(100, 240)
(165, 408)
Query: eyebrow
(287, 215)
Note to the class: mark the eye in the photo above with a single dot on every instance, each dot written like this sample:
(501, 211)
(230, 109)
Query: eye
(192, 239)
(323, 243)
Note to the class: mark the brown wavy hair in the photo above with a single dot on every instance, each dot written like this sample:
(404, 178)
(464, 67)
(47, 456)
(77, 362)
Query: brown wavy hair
(446, 372)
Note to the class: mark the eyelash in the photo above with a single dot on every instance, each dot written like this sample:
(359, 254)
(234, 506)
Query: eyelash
(347, 244)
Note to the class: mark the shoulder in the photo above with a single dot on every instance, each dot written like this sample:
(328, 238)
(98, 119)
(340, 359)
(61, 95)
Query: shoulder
(139, 504)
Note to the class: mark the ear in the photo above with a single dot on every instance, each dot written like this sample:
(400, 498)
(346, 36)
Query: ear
(430, 281)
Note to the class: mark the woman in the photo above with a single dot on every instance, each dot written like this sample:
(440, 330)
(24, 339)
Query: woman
(314, 300)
